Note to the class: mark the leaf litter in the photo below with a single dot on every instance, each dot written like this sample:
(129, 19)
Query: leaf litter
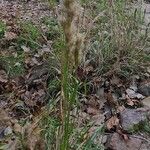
(104, 105)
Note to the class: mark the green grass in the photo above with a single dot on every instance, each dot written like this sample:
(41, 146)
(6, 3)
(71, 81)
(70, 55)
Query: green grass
(2, 29)
(142, 127)
(30, 36)
(53, 28)
(116, 38)
(13, 65)
(50, 125)
(147, 57)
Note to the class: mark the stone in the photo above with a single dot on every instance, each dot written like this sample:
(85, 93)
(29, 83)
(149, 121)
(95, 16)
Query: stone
(132, 94)
(131, 117)
(116, 142)
(146, 101)
(8, 131)
(144, 89)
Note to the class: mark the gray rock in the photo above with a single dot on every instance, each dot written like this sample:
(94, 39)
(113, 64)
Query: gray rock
(8, 131)
(116, 142)
(132, 94)
(146, 101)
(131, 117)
(144, 89)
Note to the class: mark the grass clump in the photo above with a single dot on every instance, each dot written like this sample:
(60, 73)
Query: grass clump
(143, 126)
(116, 41)
(51, 126)
(13, 65)
(2, 29)
(53, 28)
(30, 36)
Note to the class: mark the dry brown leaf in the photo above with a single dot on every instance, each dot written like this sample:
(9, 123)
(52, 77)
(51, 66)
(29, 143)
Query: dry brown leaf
(89, 69)
(92, 111)
(129, 101)
(120, 108)
(10, 35)
(110, 99)
(125, 137)
(112, 122)
(4, 115)
(17, 128)
(93, 101)
(96, 81)
(115, 81)
(98, 119)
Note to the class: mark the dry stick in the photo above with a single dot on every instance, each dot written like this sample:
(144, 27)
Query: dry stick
(66, 22)
(74, 40)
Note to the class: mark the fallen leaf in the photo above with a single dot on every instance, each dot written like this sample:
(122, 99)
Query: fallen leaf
(120, 108)
(96, 81)
(130, 102)
(110, 99)
(33, 132)
(98, 119)
(10, 35)
(115, 81)
(17, 128)
(88, 69)
(92, 111)
(93, 101)
(4, 115)
(112, 122)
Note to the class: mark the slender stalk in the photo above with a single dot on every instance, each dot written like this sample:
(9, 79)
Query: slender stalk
(70, 59)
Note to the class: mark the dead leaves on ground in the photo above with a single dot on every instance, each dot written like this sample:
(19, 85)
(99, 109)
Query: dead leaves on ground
(9, 36)
(27, 136)
(112, 123)
(117, 142)
(91, 105)
(30, 89)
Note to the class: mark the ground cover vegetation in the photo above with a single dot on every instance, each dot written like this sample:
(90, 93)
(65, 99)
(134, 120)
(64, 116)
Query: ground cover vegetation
(74, 75)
